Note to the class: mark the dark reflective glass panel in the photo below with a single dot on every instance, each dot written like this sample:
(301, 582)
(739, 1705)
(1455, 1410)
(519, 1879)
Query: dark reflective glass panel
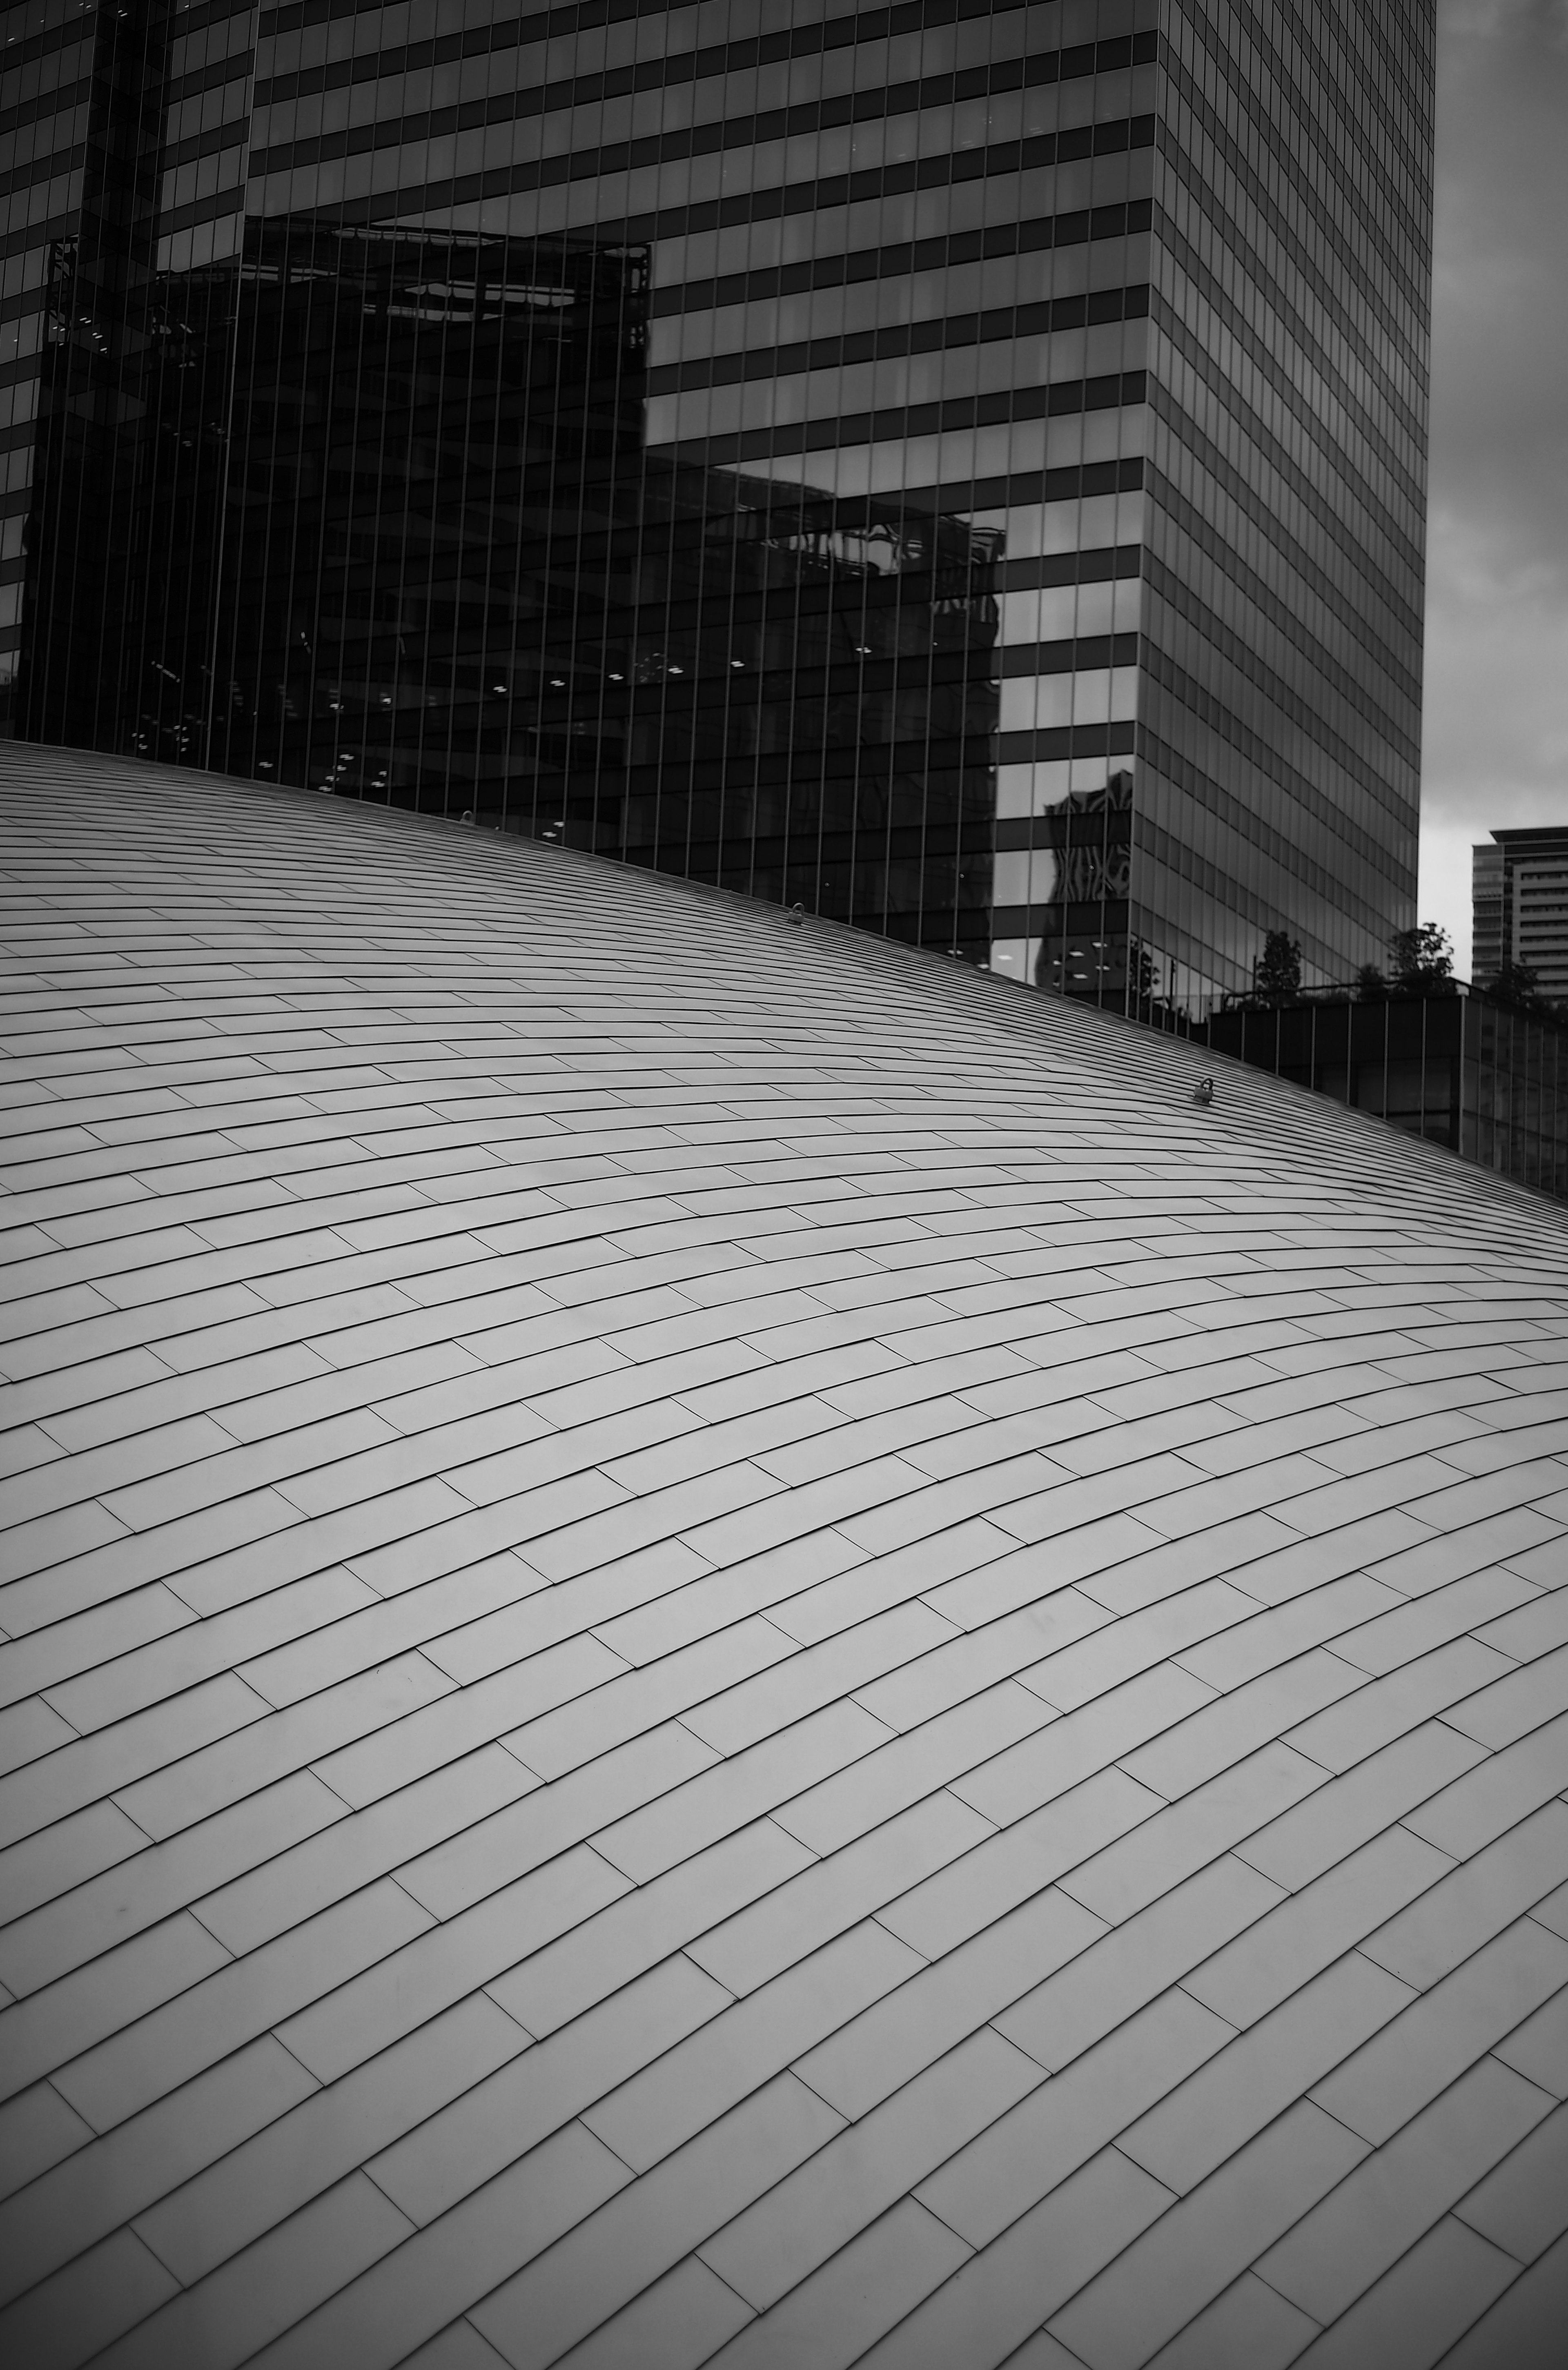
(959, 469)
(427, 560)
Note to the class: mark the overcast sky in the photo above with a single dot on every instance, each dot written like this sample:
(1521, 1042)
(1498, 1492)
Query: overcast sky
(1497, 709)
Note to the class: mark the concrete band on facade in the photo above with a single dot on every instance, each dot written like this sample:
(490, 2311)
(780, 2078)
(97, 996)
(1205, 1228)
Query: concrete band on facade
(725, 1645)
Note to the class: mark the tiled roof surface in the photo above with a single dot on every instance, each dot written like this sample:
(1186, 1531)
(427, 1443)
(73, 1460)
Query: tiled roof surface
(723, 1645)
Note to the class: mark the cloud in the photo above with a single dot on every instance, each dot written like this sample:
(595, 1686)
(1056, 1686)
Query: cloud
(1496, 707)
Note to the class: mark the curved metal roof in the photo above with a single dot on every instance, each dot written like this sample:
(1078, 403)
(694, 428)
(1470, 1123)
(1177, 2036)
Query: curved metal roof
(725, 1646)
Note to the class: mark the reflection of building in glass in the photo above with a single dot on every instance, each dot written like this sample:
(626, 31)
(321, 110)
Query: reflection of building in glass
(331, 460)
(1485, 1077)
(806, 700)
(1519, 891)
(1074, 870)
(1490, 939)
(1109, 313)
(426, 559)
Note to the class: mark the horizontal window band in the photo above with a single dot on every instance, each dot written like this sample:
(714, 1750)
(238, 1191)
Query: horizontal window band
(1045, 747)
(1061, 827)
(1169, 585)
(1066, 827)
(1156, 847)
(1207, 286)
(1376, 71)
(595, 696)
(883, 182)
(968, 627)
(812, 779)
(1185, 430)
(1093, 566)
(832, 33)
(1334, 451)
(1188, 865)
(1107, 920)
(1043, 234)
(1011, 490)
(1107, 139)
(1304, 143)
(681, 66)
(1191, 521)
(42, 169)
(1291, 471)
(739, 862)
(1243, 819)
(895, 426)
(575, 16)
(1188, 688)
(730, 609)
(60, 101)
(1216, 723)
(1295, 238)
(584, 16)
(56, 228)
(1042, 71)
(964, 825)
(203, 143)
(906, 919)
(24, 309)
(199, 14)
(821, 679)
(908, 338)
(236, 67)
(62, 35)
(1087, 653)
(1082, 482)
(957, 763)
(218, 204)
(781, 201)
(1099, 565)
(1240, 244)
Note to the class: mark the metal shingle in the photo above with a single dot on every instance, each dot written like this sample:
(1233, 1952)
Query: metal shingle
(746, 1657)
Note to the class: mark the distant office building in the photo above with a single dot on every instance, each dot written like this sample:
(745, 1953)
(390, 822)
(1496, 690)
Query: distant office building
(961, 468)
(1520, 907)
(1489, 933)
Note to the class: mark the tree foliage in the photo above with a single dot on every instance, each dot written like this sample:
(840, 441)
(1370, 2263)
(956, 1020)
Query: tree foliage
(1276, 973)
(1520, 983)
(1424, 961)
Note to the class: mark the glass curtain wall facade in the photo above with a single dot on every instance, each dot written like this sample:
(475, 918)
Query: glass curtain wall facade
(1283, 564)
(956, 468)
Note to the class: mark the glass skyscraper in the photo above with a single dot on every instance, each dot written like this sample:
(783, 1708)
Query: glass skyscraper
(959, 469)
